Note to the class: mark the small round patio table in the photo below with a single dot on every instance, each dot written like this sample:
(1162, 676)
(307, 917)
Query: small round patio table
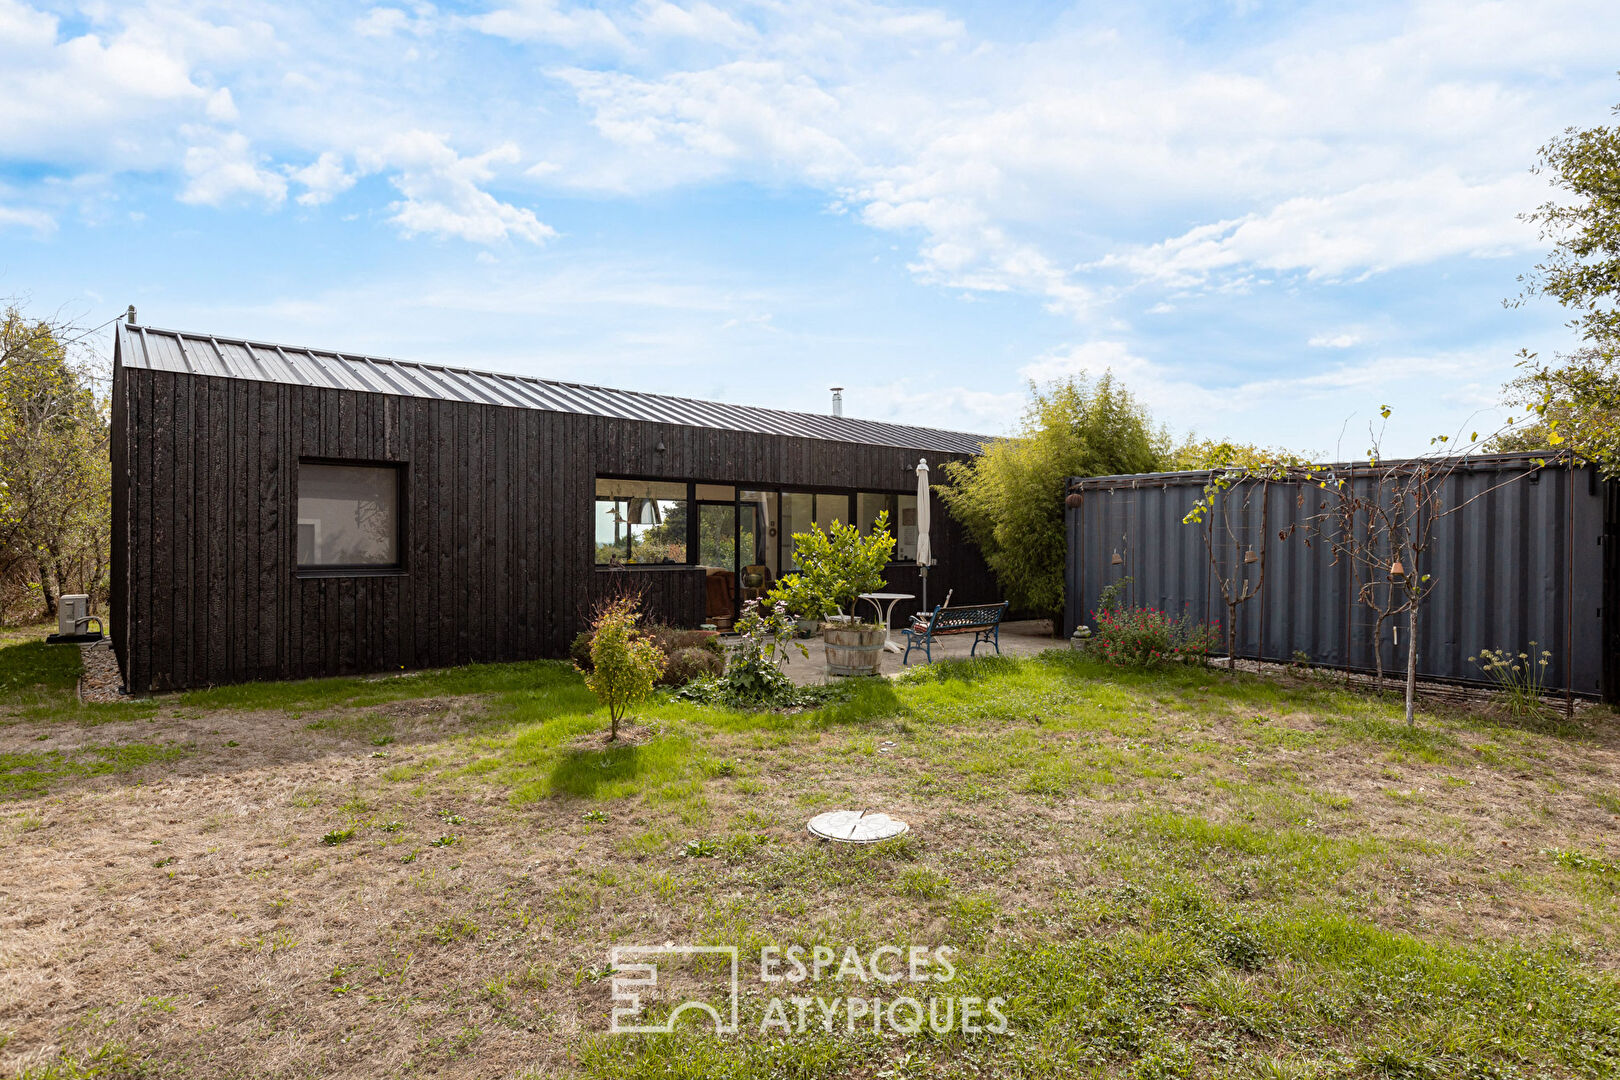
(877, 599)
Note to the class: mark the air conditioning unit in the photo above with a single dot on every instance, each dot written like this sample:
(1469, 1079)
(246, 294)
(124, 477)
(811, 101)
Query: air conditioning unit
(70, 610)
(73, 621)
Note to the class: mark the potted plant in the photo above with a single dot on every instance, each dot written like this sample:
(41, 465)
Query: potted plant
(836, 567)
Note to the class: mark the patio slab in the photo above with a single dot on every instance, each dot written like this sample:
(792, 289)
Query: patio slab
(1023, 638)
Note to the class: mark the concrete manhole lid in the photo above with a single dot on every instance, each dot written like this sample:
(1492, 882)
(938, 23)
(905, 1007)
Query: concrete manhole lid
(856, 826)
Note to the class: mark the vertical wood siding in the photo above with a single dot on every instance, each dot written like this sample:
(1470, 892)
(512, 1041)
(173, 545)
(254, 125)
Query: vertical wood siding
(499, 515)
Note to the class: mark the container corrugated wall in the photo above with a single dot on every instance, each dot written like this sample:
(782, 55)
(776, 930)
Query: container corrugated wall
(1523, 561)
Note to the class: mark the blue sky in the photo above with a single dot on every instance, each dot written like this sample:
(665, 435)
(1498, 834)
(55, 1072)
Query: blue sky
(1267, 219)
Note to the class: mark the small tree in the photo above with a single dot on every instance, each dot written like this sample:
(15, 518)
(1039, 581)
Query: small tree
(624, 662)
(837, 566)
(1221, 497)
(1389, 533)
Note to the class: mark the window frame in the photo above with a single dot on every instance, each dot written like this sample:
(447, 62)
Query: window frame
(400, 566)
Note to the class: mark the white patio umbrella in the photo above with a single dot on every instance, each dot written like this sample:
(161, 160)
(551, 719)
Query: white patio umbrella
(925, 552)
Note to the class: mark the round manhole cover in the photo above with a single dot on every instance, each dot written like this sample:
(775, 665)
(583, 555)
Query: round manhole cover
(856, 826)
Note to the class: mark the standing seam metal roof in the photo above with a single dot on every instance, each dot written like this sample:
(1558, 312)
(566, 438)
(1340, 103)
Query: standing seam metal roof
(234, 358)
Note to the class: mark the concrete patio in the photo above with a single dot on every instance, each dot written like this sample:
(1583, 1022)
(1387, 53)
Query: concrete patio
(1023, 638)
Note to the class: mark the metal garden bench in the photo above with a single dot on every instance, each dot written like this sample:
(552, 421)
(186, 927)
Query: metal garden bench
(983, 621)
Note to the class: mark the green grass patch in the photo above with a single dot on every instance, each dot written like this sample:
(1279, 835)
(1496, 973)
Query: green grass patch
(38, 682)
(27, 775)
(1189, 987)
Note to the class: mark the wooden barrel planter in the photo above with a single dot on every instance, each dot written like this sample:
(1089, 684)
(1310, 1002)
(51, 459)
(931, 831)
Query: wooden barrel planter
(853, 650)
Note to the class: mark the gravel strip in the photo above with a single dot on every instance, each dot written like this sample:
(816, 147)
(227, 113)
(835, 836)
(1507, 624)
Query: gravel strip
(101, 681)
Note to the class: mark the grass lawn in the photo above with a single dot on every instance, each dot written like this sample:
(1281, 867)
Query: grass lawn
(1156, 875)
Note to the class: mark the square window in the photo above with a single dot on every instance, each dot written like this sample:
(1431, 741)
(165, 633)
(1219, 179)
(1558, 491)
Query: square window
(348, 516)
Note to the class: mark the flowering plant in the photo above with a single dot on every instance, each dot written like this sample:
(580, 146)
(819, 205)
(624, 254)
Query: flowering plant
(754, 671)
(1520, 679)
(1148, 637)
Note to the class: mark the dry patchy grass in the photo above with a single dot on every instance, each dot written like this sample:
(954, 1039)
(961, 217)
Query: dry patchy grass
(1181, 874)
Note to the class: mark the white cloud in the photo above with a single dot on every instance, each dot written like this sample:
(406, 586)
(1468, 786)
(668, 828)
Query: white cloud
(953, 408)
(1099, 155)
(1090, 359)
(700, 22)
(221, 107)
(443, 196)
(1316, 408)
(1332, 145)
(381, 22)
(223, 167)
(22, 217)
(323, 179)
(113, 95)
(551, 22)
(1367, 229)
(1343, 340)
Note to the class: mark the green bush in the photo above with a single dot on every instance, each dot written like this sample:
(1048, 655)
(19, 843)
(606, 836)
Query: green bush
(672, 642)
(624, 662)
(692, 662)
(1010, 498)
(580, 651)
(837, 565)
(1148, 637)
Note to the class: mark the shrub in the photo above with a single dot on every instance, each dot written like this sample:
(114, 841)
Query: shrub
(753, 676)
(754, 673)
(670, 641)
(837, 566)
(692, 662)
(580, 651)
(624, 662)
(1147, 637)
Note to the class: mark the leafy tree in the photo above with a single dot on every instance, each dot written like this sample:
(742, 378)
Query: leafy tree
(625, 663)
(1574, 405)
(1196, 455)
(1576, 398)
(1010, 498)
(837, 566)
(55, 477)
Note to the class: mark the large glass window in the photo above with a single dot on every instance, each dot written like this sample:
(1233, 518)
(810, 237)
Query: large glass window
(802, 510)
(798, 515)
(831, 508)
(749, 532)
(717, 535)
(868, 505)
(904, 520)
(758, 526)
(902, 510)
(348, 516)
(640, 522)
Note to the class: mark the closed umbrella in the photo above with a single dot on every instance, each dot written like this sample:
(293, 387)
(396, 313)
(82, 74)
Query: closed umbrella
(925, 553)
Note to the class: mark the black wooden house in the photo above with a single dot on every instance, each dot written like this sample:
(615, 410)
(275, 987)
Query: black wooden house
(286, 512)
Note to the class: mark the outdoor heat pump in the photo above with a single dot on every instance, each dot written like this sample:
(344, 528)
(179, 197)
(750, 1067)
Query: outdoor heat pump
(73, 620)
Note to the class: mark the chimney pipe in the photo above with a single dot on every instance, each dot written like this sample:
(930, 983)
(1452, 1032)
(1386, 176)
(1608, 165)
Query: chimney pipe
(838, 400)
(130, 317)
